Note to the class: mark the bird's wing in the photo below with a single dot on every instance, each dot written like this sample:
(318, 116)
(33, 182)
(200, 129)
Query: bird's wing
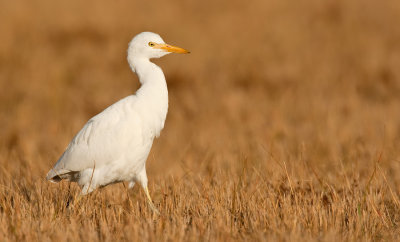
(103, 139)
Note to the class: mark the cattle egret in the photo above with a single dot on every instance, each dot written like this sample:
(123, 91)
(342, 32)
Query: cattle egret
(113, 145)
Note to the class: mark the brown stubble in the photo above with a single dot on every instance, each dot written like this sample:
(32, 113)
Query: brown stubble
(284, 121)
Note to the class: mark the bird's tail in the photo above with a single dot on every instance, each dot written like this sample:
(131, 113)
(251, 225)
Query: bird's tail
(53, 176)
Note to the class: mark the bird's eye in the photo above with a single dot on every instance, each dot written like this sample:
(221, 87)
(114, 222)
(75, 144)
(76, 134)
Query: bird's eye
(151, 44)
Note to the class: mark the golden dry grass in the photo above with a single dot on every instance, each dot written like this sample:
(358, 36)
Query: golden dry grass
(284, 122)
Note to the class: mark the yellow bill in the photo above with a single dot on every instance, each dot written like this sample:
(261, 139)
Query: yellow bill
(171, 48)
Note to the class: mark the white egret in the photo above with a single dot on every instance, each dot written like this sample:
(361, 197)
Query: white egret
(113, 145)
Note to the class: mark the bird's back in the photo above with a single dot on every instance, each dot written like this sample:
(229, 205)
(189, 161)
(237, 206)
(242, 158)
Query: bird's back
(114, 134)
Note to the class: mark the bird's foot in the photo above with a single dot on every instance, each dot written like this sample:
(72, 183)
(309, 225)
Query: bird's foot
(150, 202)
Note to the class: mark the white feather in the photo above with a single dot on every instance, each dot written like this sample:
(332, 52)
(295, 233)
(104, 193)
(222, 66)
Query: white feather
(113, 146)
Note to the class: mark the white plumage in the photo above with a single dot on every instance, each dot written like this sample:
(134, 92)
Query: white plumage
(113, 146)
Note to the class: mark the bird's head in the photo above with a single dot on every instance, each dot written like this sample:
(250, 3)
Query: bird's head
(150, 45)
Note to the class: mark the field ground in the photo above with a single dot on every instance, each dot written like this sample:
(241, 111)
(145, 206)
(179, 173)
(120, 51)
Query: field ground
(284, 121)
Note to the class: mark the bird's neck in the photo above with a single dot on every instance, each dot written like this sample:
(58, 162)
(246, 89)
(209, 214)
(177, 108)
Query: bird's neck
(151, 77)
(144, 68)
(153, 94)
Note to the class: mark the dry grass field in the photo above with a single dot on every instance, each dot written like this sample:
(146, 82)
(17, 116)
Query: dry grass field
(284, 121)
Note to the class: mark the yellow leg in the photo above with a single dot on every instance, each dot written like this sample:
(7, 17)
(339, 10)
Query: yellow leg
(150, 202)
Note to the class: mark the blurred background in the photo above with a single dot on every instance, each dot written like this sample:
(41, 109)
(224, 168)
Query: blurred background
(313, 82)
